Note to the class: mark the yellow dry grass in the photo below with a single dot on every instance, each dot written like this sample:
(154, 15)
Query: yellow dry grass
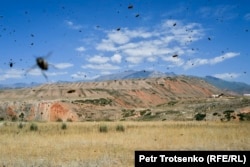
(82, 144)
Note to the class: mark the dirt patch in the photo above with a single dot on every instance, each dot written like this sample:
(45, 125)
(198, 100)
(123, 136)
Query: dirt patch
(60, 111)
(146, 98)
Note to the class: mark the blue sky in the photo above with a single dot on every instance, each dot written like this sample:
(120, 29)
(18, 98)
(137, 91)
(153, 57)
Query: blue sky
(89, 38)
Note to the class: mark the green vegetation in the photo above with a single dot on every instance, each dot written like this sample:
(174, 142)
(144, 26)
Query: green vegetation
(21, 116)
(33, 127)
(227, 115)
(120, 128)
(64, 126)
(100, 101)
(20, 125)
(128, 112)
(244, 116)
(103, 129)
(144, 111)
(199, 116)
(172, 103)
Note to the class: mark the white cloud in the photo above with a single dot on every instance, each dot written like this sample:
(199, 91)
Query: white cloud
(18, 74)
(80, 49)
(220, 12)
(56, 73)
(118, 37)
(98, 59)
(38, 72)
(72, 25)
(134, 60)
(198, 61)
(63, 65)
(79, 75)
(227, 76)
(12, 73)
(223, 57)
(83, 76)
(104, 66)
(176, 61)
(106, 45)
(162, 41)
(35, 72)
(116, 58)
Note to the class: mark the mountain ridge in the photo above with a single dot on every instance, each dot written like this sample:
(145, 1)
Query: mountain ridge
(161, 98)
(237, 87)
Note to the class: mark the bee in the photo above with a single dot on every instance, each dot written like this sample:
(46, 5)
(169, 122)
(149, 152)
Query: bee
(130, 7)
(42, 64)
(11, 63)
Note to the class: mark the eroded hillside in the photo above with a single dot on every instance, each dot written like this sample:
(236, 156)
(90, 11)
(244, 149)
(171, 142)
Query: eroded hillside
(138, 99)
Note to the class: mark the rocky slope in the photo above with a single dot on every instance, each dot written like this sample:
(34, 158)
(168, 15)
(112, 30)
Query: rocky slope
(136, 99)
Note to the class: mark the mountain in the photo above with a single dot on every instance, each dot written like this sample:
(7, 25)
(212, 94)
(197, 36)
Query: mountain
(18, 85)
(134, 75)
(238, 87)
(160, 98)
(104, 100)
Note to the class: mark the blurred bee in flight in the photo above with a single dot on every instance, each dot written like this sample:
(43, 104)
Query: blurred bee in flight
(42, 64)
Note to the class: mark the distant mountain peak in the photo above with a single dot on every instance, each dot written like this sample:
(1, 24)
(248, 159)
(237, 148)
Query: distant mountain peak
(131, 74)
(237, 87)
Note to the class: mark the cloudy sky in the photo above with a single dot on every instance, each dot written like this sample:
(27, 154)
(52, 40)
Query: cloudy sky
(82, 40)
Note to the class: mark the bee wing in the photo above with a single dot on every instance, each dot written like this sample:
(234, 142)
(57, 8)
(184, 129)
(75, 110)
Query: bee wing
(45, 76)
(27, 71)
(48, 55)
(54, 66)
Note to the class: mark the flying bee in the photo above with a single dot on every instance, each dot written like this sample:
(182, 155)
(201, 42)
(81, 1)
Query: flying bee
(11, 63)
(130, 6)
(42, 64)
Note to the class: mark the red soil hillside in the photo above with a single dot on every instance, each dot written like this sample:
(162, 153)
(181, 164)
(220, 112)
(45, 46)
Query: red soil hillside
(99, 100)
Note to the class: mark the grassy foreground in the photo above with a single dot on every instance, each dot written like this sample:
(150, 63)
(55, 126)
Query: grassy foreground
(85, 144)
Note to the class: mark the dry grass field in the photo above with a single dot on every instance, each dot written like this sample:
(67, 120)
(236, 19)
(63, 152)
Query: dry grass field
(83, 143)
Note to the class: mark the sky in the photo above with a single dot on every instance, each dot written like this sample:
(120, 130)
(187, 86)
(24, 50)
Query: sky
(85, 39)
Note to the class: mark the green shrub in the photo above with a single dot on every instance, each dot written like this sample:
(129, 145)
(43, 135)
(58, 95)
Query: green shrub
(172, 103)
(120, 128)
(14, 118)
(244, 116)
(64, 126)
(103, 129)
(21, 116)
(20, 125)
(33, 127)
(228, 112)
(200, 116)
